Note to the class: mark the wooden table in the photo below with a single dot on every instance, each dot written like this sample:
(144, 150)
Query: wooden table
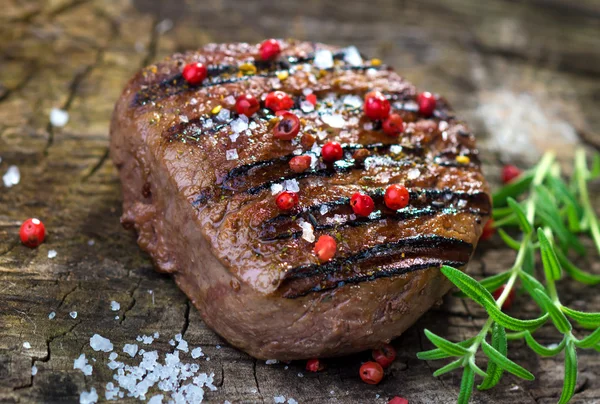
(526, 75)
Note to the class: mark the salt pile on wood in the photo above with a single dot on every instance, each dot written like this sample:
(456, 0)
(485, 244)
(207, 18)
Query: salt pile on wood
(182, 382)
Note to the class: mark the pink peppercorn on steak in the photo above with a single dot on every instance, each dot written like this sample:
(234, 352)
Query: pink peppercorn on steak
(303, 197)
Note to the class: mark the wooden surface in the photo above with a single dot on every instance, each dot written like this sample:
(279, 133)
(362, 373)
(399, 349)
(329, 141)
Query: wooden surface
(526, 75)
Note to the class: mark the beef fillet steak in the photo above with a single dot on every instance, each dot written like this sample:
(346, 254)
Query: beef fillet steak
(200, 183)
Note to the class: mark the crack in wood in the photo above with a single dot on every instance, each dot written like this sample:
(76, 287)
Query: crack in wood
(152, 44)
(254, 361)
(66, 7)
(47, 357)
(186, 318)
(21, 84)
(96, 166)
(133, 300)
(62, 300)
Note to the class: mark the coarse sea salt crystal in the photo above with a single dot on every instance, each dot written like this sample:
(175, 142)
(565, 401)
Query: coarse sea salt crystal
(183, 345)
(300, 375)
(368, 126)
(183, 118)
(114, 306)
(90, 397)
(306, 106)
(276, 189)
(292, 401)
(34, 370)
(324, 209)
(197, 352)
(73, 314)
(239, 125)
(396, 149)
(52, 254)
(207, 124)
(130, 349)
(352, 56)
(234, 137)
(12, 176)
(335, 120)
(307, 230)
(111, 392)
(384, 177)
(292, 185)
(252, 125)
(164, 26)
(26, 345)
(51, 315)
(313, 161)
(316, 149)
(193, 101)
(99, 343)
(223, 115)
(413, 174)
(157, 399)
(279, 399)
(113, 356)
(271, 361)
(307, 91)
(147, 339)
(81, 363)
(374, 215)
(321, 135)
(323, 59)
(229, 100)
(231, 154)
(58, 117)
(353, 101)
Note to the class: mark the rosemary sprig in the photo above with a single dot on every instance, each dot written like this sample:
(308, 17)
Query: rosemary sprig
(550, 214)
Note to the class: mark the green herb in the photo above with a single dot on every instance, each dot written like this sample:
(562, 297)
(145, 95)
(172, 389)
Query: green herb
(550, 213)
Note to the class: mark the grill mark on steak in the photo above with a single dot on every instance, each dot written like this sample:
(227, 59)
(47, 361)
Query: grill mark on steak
(245, 169)
(274, 173)
(426, 202)
(223, 74)
(389, 259)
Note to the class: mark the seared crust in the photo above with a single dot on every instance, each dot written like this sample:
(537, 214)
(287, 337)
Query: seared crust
(245, 265)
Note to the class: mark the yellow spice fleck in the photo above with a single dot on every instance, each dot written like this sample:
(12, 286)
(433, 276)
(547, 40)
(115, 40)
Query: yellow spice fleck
(375, 62)
(282, 75)
(463, 159)
(216, 109)
(248, 68)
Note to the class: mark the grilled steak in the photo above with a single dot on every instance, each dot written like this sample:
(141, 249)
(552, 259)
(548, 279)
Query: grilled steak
(200, 182)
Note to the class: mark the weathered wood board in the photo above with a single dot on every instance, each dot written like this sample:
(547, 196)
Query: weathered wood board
(525, 74)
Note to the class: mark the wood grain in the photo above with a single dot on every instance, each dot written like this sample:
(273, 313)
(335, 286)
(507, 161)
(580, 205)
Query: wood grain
(525, 74)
